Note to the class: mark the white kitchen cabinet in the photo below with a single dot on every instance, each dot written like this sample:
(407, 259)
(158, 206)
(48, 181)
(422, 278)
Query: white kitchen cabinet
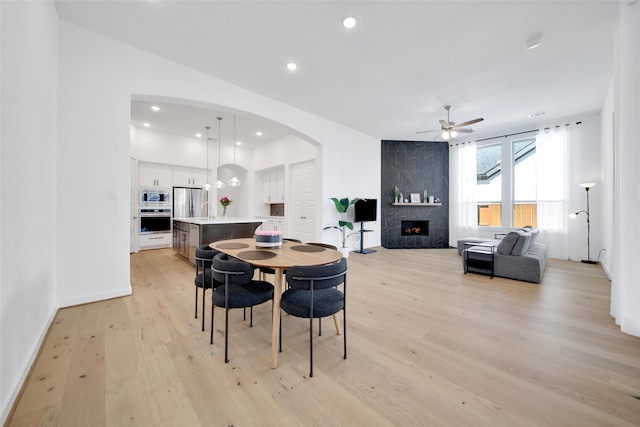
(189, 177)
(279, 187)
(155, 175)
(275, 223)
(273, 186)
(157, 240)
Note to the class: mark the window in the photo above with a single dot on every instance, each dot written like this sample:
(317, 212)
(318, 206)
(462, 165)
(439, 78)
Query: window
(489, 185)
(525, 208)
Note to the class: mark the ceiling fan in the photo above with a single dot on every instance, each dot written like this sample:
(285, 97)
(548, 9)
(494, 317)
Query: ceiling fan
(451, 129)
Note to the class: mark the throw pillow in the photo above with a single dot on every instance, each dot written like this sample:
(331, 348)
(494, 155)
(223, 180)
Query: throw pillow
(508, 242)
(522, 245)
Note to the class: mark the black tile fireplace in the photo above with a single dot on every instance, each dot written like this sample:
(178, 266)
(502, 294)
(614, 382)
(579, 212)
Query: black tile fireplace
(415, 167)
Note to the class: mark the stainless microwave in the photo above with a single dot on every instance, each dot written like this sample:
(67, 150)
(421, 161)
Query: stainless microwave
(155, 197)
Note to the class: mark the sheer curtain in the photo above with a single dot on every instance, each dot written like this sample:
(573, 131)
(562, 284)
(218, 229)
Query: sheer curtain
(552, 192)
(463, 211)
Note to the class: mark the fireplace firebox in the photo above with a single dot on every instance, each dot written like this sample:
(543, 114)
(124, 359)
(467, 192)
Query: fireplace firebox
(414, 228)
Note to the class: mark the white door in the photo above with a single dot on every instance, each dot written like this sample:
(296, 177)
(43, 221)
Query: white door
(133, 206)
(304, 194)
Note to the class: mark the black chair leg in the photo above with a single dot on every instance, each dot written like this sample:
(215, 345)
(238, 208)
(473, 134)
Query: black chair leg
(319, 326)
(226, 336)
(244, 313)
(251, 317)
(311, 347)
(196, 316)
(280, 336)
(344, 331)
(203, 301)
(211, 323)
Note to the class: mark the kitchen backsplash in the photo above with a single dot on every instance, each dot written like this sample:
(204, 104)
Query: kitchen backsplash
(277, 209)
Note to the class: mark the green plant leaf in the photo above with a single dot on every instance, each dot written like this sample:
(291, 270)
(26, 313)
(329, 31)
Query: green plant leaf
(339, 204)
(347, 224)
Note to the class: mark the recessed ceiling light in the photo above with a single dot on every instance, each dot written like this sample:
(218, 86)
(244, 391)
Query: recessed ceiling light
(349, 22)
(145, 124)
(259, 133)
(534, 41)
(238, 142)
(198, 135)
(538, 114)
(155, 108)
(292, 66)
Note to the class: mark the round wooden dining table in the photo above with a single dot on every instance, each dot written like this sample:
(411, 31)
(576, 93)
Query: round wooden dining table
(279, 259)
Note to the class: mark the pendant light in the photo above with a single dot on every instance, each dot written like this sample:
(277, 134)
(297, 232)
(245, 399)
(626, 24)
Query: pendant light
(234, 182)
(219, 184)
(207, 186)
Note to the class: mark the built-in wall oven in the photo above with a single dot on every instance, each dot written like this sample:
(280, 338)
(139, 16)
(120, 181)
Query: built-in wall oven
(155, 220)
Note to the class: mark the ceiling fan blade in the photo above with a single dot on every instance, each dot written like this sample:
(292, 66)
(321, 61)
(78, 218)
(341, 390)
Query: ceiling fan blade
(470, 122)
(432, 130)
(445, 124)
(464, 130)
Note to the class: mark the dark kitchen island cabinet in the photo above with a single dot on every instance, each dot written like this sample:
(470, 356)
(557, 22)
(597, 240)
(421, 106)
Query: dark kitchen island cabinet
(189, 233)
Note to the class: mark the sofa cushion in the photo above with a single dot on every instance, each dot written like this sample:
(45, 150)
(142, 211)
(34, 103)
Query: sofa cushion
(534, 232)
(522, 245)
(508, 242)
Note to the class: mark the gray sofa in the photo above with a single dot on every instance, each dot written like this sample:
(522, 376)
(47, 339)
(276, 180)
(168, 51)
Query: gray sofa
(515, 256)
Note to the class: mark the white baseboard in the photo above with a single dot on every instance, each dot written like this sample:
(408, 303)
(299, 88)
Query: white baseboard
(26, 368)
(94, 298)
(606, 270)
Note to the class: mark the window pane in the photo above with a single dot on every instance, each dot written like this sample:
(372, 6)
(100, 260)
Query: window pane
(489, 185)
(524, 183)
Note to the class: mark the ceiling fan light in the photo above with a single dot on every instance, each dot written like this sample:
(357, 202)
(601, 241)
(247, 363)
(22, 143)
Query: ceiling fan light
(445, 135)
(453, 133)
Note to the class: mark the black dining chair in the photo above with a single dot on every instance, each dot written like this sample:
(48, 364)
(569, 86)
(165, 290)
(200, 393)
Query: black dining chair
(239, 290)
(313, 293)
(204, 277)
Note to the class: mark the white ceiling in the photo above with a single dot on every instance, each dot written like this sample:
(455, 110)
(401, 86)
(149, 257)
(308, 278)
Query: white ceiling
(390, 75)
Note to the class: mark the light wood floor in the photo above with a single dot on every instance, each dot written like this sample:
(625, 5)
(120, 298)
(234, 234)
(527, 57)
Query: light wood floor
(427, 345)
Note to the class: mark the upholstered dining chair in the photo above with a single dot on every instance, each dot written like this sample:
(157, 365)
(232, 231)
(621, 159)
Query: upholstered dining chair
(204, 277)
(239, 290)
(313, 293)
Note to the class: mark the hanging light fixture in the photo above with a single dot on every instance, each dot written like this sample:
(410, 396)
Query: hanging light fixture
(219, 184)
(207, 186)
(234, 182)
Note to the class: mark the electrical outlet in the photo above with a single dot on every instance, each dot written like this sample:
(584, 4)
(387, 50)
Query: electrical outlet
(112, 194)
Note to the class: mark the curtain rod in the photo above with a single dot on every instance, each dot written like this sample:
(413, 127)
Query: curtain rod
(517, 133)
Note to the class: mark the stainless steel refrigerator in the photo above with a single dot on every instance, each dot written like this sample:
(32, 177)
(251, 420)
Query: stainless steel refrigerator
(190, 202)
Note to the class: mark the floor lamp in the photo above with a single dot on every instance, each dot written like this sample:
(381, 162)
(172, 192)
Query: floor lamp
(586, 186)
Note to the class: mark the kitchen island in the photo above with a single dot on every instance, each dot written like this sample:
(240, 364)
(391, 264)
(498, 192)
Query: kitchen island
(189, 233)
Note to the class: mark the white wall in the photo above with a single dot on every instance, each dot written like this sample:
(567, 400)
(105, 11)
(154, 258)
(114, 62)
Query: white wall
(98, 77)
(28, 178)
(160, 147)
(625, 286)
(607, 180)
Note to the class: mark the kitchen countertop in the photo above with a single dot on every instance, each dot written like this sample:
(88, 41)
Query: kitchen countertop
(228, 220)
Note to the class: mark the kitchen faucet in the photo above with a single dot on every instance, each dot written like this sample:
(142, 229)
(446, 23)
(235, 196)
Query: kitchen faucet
(210, 216)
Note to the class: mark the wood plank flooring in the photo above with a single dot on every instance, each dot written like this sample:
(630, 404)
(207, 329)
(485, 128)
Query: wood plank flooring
(427, 346)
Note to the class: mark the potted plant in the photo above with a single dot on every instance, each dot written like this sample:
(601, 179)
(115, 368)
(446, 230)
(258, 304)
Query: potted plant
(342, 206)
